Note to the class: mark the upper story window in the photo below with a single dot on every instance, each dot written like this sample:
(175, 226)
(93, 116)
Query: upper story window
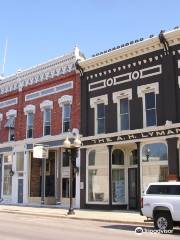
(122, 99)
(148, 93)
(65, 103)
(47, 121)
(150, 105)
(10, 124)
(100, 118)
(46, 107)
(66, 117)
(29, 110)
(30, 117)
(99, 104)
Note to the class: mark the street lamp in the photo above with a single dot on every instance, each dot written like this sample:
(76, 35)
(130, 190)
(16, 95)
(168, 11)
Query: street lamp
(71, 151)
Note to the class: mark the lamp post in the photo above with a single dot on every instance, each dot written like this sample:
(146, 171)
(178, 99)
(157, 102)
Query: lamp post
(71, 151)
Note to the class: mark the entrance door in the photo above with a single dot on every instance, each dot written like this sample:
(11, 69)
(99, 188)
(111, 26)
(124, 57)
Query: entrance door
(132, 187)
(20, 190)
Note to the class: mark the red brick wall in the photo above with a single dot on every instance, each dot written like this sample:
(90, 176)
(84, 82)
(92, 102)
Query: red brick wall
(56, 113)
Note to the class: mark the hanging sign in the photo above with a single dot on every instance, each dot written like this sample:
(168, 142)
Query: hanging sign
(40, 151)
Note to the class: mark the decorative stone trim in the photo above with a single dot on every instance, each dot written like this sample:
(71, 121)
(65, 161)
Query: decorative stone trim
(147, 88)
(99, 99)
(46, 104)
(65, 99)
(8, 103)
(144, 47)
(122, 94)
(29, 108)
(42, 72)
(179, 81)
(11, 112)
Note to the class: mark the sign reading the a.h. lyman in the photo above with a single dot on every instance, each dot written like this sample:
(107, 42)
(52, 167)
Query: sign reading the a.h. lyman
(133, 137)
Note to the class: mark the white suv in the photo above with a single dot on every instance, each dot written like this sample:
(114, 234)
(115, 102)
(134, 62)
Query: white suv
(161, 202)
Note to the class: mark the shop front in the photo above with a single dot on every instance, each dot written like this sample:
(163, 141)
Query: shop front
(118, 172)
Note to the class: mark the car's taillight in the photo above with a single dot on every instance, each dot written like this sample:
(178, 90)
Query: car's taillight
(142, 202)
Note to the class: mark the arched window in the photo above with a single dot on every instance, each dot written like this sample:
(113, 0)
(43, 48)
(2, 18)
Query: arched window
(91, 159)
(154, 152)
(133, 157)
(117, 157)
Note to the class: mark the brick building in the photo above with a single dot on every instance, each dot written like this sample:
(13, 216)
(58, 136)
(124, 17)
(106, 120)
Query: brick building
(39, 105)
(130, 120)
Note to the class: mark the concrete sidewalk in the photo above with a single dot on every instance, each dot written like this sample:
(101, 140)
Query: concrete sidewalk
(121, 216)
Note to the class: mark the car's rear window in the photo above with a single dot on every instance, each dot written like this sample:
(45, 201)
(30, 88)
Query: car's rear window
(164, 189)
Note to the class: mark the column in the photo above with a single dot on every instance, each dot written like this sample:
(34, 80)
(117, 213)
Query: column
(110, 175)
(58, 177)
(172, 158)
(43, 179)
(26, 177)
(138, 176)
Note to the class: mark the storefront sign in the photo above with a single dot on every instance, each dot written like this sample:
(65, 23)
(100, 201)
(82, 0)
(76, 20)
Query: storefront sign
(132, 137)
(40, 151)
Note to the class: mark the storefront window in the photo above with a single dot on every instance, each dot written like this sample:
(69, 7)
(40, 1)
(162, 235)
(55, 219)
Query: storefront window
(7, 185)
(118, 177)
(154, 152)
(154, 163)
(98, 179)
(118, 157)
(133, 157)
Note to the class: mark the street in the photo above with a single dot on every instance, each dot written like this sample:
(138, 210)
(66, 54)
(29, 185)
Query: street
(20, 227)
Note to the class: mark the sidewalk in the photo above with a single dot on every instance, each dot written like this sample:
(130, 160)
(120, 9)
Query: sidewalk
(121, 216)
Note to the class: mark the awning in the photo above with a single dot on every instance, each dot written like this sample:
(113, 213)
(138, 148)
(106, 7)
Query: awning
(10, 122)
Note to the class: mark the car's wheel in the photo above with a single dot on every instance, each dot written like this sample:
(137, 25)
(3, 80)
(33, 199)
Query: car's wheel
(163, 221)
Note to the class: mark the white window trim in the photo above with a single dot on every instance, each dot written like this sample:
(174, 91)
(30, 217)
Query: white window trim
(93, 104)
(117, 96)
(66, 99)
(29, 108)
(141, 91)
(46, 104)
(11, 113)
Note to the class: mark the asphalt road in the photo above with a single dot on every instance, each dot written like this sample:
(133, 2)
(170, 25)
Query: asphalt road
(21, 227)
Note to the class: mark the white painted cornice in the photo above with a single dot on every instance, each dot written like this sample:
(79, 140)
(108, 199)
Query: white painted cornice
(41, 72)
(130, 51)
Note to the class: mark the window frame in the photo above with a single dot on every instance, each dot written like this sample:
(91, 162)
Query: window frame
(96, 118)
(119, 114)
(44, 122)
(70, 106)
(145, 110)
(27, 126)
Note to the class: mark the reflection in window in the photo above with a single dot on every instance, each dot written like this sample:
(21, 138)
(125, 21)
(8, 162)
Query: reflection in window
(118, 186)
(98, 179)
(47, 121)
(154, 152)
(150, 106)
(66, 117)
(124, 114)
(100, 118)
(118, 157)
(133, 157)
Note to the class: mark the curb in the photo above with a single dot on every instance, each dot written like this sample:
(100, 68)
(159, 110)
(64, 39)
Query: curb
(76, 218)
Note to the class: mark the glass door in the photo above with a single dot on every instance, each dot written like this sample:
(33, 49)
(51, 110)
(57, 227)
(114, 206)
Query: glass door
(132, 188)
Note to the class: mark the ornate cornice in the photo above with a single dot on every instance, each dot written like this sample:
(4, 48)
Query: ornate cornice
(41, 72)
(131, 51)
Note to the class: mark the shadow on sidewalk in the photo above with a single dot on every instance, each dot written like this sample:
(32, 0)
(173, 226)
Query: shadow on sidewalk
(132, 228)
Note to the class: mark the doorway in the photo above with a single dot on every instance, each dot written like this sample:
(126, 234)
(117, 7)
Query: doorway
(132, 188)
